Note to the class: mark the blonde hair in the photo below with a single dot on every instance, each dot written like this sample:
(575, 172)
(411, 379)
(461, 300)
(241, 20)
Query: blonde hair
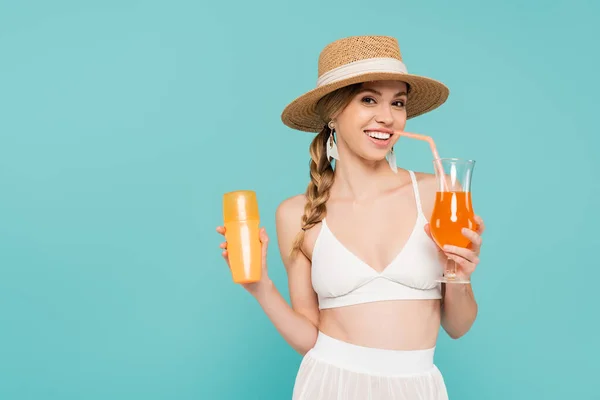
(321, 172)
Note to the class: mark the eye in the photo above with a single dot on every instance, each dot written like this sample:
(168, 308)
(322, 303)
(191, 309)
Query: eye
(366, 99)
(400, 103)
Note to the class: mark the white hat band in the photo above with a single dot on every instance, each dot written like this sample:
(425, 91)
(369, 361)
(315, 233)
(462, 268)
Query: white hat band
(360, 67)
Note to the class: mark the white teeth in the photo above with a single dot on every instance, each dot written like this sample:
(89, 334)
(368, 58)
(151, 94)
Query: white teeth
(379, 135)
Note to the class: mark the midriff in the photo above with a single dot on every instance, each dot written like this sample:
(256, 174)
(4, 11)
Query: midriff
(394, 324)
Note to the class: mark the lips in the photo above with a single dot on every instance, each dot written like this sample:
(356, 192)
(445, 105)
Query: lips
(378, 135)
(381, 139)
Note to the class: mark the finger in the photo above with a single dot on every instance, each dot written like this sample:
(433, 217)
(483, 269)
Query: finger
(225, 256)
(223, 245)
(467, 254)
(472, 236)
(465, 265)
(262, 235)
(428, 232)
(221, 230)
(480, 223)
(264, 239)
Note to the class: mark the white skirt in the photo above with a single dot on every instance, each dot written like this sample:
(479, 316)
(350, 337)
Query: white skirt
(337, 370)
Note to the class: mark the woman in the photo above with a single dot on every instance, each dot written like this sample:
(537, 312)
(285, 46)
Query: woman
(361, 264)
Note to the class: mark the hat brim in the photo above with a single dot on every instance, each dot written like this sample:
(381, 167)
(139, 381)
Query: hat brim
(425, 95)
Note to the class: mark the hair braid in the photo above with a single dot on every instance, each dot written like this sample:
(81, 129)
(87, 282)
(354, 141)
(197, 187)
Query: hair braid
(321, 171)
(317, 192)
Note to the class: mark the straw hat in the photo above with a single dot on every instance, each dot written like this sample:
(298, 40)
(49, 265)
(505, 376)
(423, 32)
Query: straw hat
(358, 59)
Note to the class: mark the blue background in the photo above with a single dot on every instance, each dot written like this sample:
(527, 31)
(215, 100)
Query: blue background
(123, 122)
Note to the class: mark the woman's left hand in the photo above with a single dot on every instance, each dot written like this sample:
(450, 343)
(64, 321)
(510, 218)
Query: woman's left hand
(467, 258)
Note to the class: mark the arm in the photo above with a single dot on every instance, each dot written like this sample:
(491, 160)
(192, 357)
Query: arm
(298, 323)
(459, 308)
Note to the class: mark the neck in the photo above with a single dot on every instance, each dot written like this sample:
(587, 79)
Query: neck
(359, 180)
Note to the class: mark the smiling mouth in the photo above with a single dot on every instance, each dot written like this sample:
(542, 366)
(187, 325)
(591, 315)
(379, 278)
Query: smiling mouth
(378, 135)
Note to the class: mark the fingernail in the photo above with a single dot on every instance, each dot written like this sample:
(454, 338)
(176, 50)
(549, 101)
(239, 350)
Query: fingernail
(447, 247)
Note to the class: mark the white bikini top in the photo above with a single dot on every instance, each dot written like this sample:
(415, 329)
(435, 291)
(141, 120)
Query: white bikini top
(340, 278)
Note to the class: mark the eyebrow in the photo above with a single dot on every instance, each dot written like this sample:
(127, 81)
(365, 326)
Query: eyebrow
(400, 93)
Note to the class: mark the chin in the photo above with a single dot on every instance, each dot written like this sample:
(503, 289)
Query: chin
(371, 155)
(378, 146)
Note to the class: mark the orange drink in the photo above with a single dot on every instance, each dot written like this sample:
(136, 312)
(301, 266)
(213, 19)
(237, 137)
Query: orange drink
(453, 209)
(452, 212)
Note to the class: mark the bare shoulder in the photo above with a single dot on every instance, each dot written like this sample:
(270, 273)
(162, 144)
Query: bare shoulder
(292, 206)
(427, 183)
(425, 178)
(289, 212)
(288, 223)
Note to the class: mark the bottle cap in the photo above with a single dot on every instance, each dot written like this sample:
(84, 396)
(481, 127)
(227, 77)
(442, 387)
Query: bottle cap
(240, 205)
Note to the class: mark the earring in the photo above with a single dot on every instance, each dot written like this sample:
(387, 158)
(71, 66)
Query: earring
(332, 151)
(391, 157)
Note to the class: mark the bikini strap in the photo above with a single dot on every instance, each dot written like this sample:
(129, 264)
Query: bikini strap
(413, 178)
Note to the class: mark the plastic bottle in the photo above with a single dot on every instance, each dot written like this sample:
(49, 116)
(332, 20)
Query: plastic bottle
(241, 220)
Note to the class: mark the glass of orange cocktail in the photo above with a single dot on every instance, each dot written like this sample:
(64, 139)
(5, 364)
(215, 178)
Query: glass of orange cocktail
(453, 209)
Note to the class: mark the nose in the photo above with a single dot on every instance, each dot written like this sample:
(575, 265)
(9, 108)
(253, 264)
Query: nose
(384, 115)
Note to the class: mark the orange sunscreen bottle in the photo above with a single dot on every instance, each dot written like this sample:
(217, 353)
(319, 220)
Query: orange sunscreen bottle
(241, 221)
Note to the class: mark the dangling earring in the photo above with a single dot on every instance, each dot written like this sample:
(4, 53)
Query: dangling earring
(332, 151)
(391, 157)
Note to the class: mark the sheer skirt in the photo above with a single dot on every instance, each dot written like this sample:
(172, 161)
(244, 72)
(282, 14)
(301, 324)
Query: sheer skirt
(337, 370)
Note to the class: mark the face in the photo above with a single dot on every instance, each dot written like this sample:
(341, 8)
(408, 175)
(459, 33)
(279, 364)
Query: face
(365, 126)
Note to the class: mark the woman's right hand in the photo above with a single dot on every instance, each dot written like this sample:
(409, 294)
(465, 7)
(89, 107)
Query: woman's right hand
(255, 287)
